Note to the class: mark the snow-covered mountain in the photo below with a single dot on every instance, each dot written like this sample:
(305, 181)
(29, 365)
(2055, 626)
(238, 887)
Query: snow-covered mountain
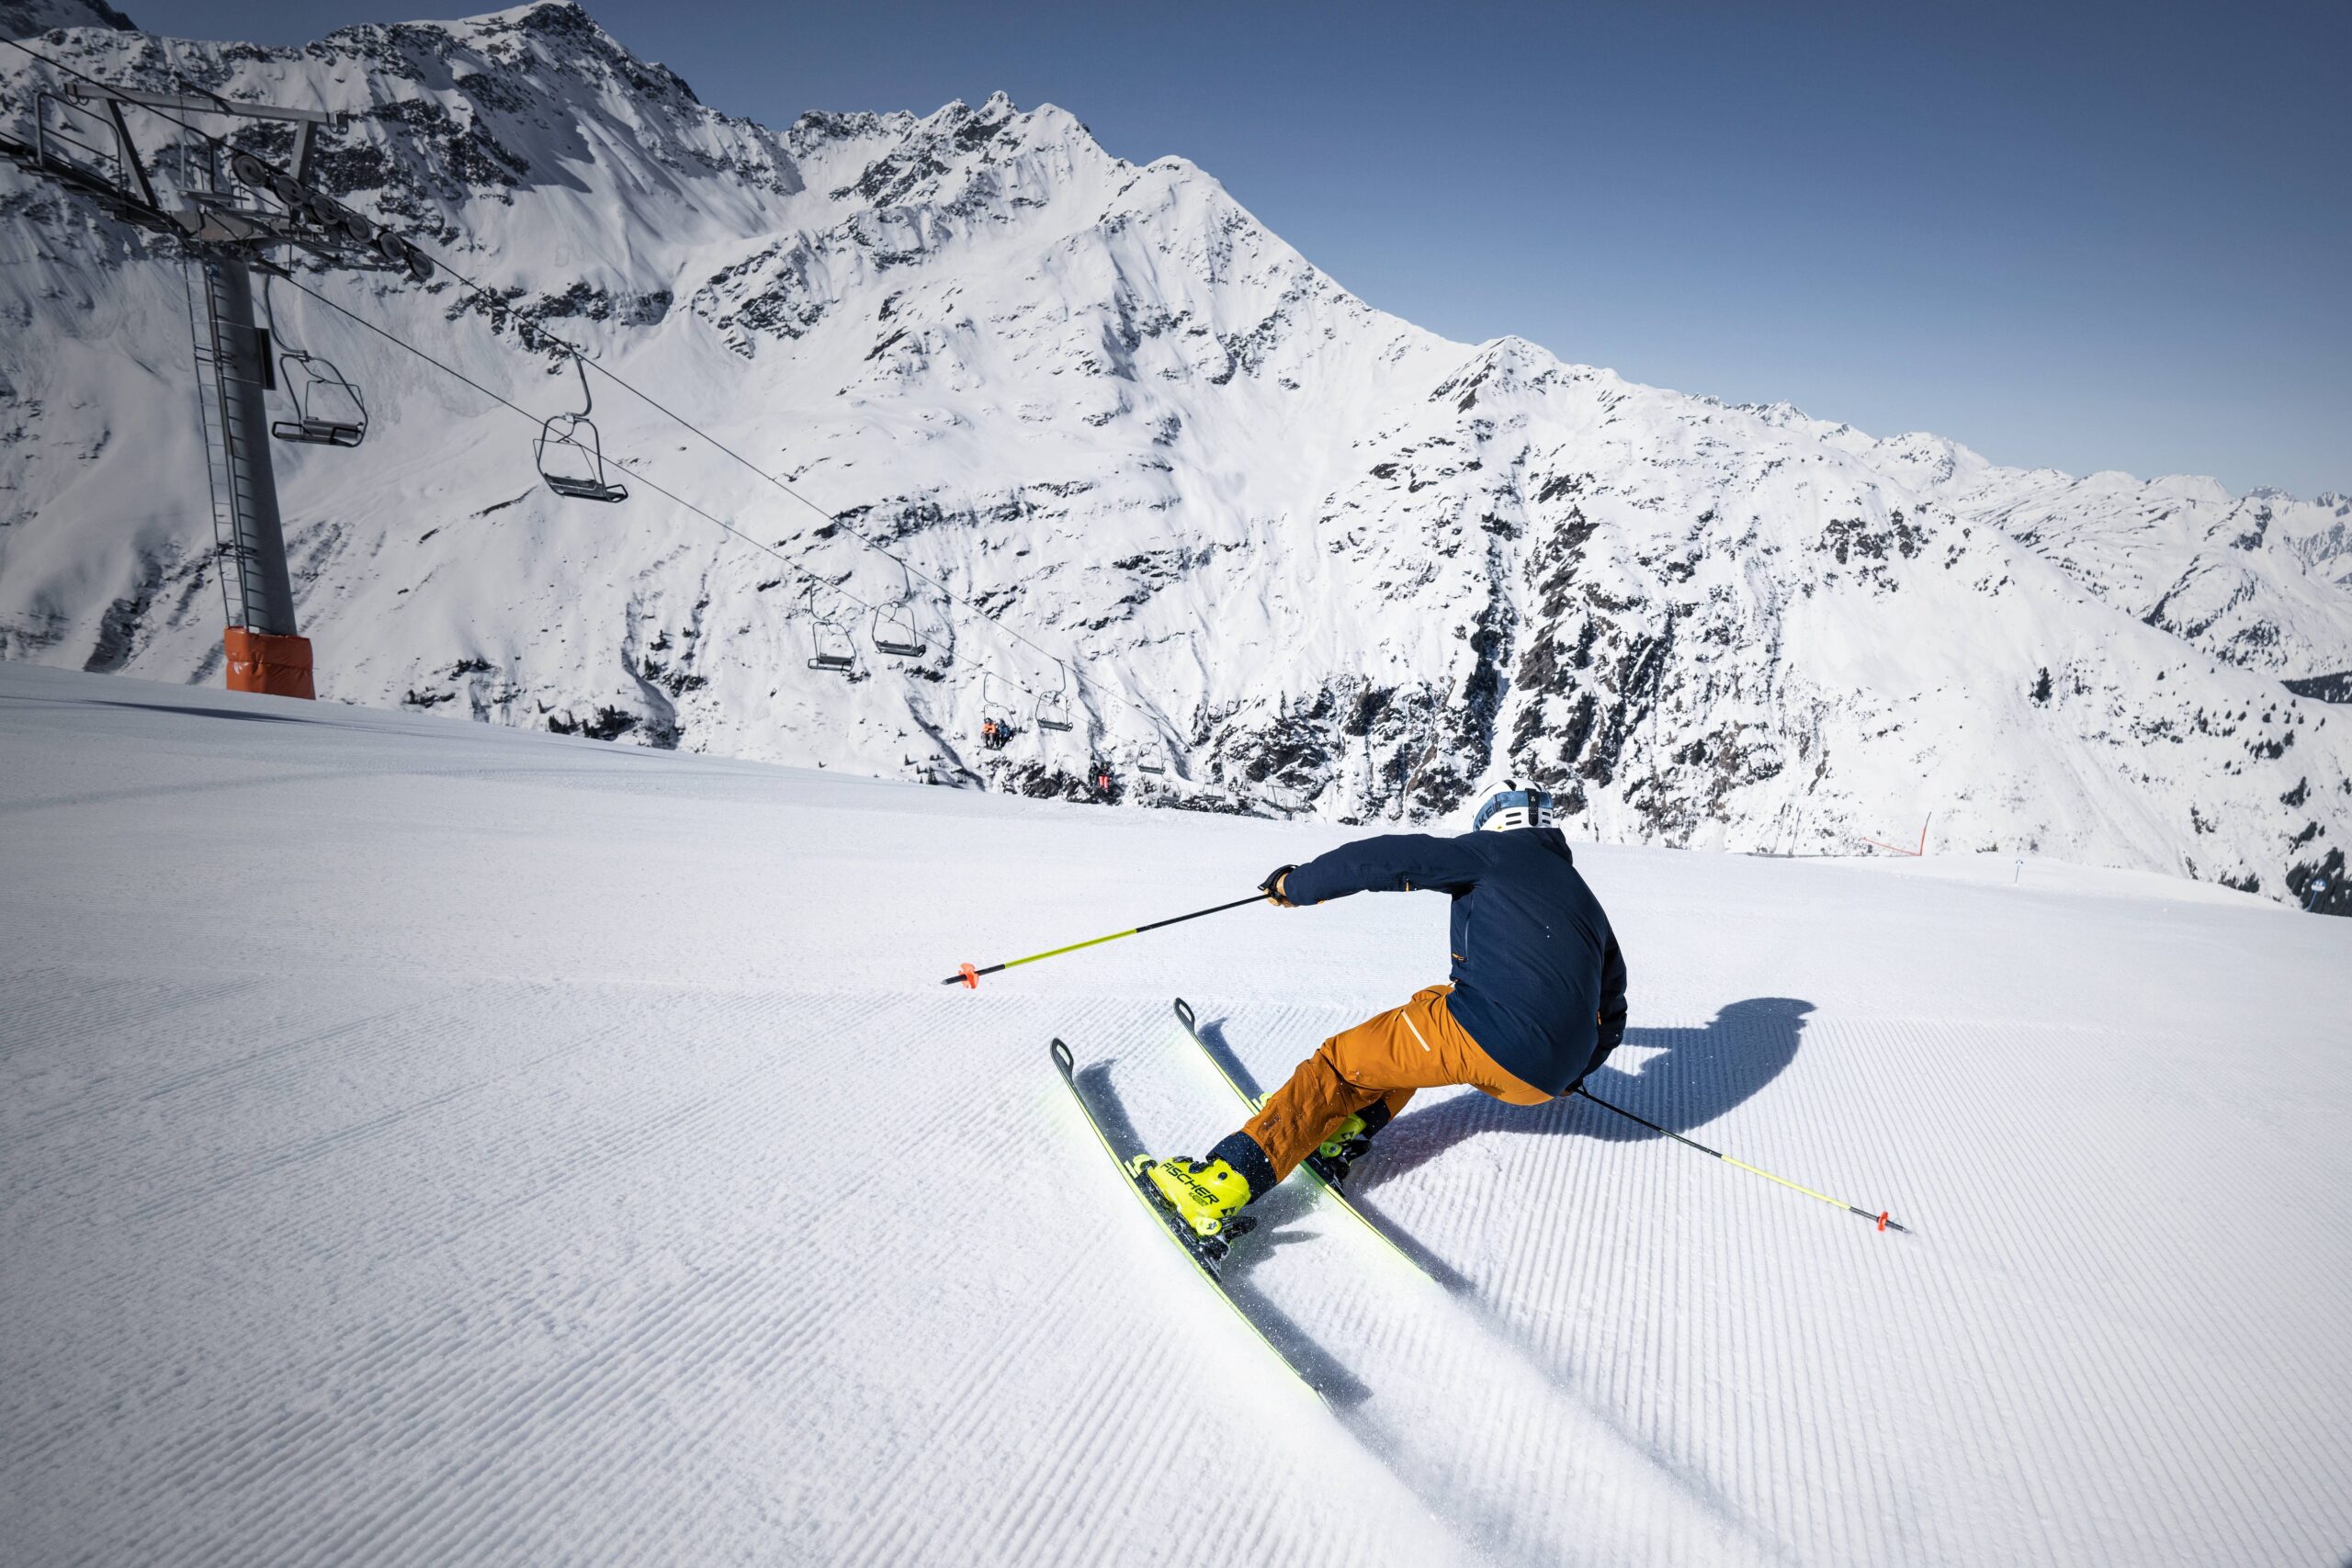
(1295, 551)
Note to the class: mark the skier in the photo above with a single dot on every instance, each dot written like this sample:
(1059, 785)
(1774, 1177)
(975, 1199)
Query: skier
(1537, 1001)
(991, 736)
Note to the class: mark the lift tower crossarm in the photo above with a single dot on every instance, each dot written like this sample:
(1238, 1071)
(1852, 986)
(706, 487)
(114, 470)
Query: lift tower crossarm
(197, 103)
(207, 103)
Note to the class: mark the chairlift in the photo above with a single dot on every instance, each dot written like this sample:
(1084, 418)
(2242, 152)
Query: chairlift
(1153, 763)
(830, 647)
(894, 630)
(581, 475)
(1053, 708)
(995, 704)
(327, 408)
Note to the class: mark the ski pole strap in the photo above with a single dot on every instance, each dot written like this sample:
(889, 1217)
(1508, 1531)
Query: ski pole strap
(1879, 1219)
(969, 976)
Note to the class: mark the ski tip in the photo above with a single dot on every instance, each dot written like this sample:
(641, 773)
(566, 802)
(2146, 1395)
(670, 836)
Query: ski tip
(1061, 1056)
(1184, 1011)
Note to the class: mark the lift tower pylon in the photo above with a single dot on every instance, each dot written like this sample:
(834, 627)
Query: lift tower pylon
(81, 138)
(265, 651)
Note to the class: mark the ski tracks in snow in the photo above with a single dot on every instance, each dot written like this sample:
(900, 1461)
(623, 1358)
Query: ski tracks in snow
(469, 1270)
(2037, 1354)
(487, 1270)
(1460, 1404)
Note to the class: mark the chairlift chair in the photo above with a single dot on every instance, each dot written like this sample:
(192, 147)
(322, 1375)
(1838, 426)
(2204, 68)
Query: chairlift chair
(842, 654)
(894, 630)
(885, 625)
(1053, 708)
(327, 408)
(583, 479)
(997, 705)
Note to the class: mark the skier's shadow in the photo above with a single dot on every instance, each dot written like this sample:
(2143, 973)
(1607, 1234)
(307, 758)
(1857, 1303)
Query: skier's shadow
(1329, 1377)
(1701, 1074)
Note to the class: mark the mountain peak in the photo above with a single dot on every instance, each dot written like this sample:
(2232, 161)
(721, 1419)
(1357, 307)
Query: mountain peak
(29, 18)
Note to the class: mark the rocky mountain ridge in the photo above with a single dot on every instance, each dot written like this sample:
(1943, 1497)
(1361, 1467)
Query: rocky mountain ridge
(1144, 465)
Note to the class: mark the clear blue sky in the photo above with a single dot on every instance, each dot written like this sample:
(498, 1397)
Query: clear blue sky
(2088, 234)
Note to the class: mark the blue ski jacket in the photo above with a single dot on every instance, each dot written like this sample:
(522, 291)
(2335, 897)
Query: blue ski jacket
(1538, 981)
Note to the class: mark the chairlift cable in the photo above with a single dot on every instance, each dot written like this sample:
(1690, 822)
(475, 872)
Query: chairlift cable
(812, 578)
(510, 405)
(638, 474)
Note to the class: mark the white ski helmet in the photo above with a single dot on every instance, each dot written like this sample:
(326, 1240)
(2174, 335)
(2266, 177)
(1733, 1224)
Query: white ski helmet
(1512, 807)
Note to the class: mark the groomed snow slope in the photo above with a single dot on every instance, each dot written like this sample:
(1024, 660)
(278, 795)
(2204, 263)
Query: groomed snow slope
(436, 1142)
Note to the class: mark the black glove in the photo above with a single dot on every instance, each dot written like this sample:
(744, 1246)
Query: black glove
(1610, 1034)
(1273, 877)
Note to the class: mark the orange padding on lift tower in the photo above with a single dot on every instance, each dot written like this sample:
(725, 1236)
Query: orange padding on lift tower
(278, 666)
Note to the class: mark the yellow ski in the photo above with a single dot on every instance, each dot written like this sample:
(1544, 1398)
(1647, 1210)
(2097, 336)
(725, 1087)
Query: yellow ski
(1205, 1253)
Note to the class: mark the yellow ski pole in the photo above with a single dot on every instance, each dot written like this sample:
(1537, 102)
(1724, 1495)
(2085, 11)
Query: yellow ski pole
(1884, 1223)
(971, 978)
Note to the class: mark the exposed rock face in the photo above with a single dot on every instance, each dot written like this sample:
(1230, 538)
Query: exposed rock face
(31, 18)
(1237, 525)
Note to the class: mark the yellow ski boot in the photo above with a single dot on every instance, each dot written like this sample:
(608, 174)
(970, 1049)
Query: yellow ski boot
(1205, 1196)
(1347, 1142)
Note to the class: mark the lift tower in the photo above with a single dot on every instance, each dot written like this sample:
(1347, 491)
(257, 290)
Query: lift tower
(82, 139)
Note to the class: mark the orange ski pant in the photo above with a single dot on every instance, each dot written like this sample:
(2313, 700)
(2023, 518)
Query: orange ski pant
(1384, 1058)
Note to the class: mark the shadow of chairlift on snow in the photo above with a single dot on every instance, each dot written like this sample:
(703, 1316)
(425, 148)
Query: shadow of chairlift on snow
(1318, 1367)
